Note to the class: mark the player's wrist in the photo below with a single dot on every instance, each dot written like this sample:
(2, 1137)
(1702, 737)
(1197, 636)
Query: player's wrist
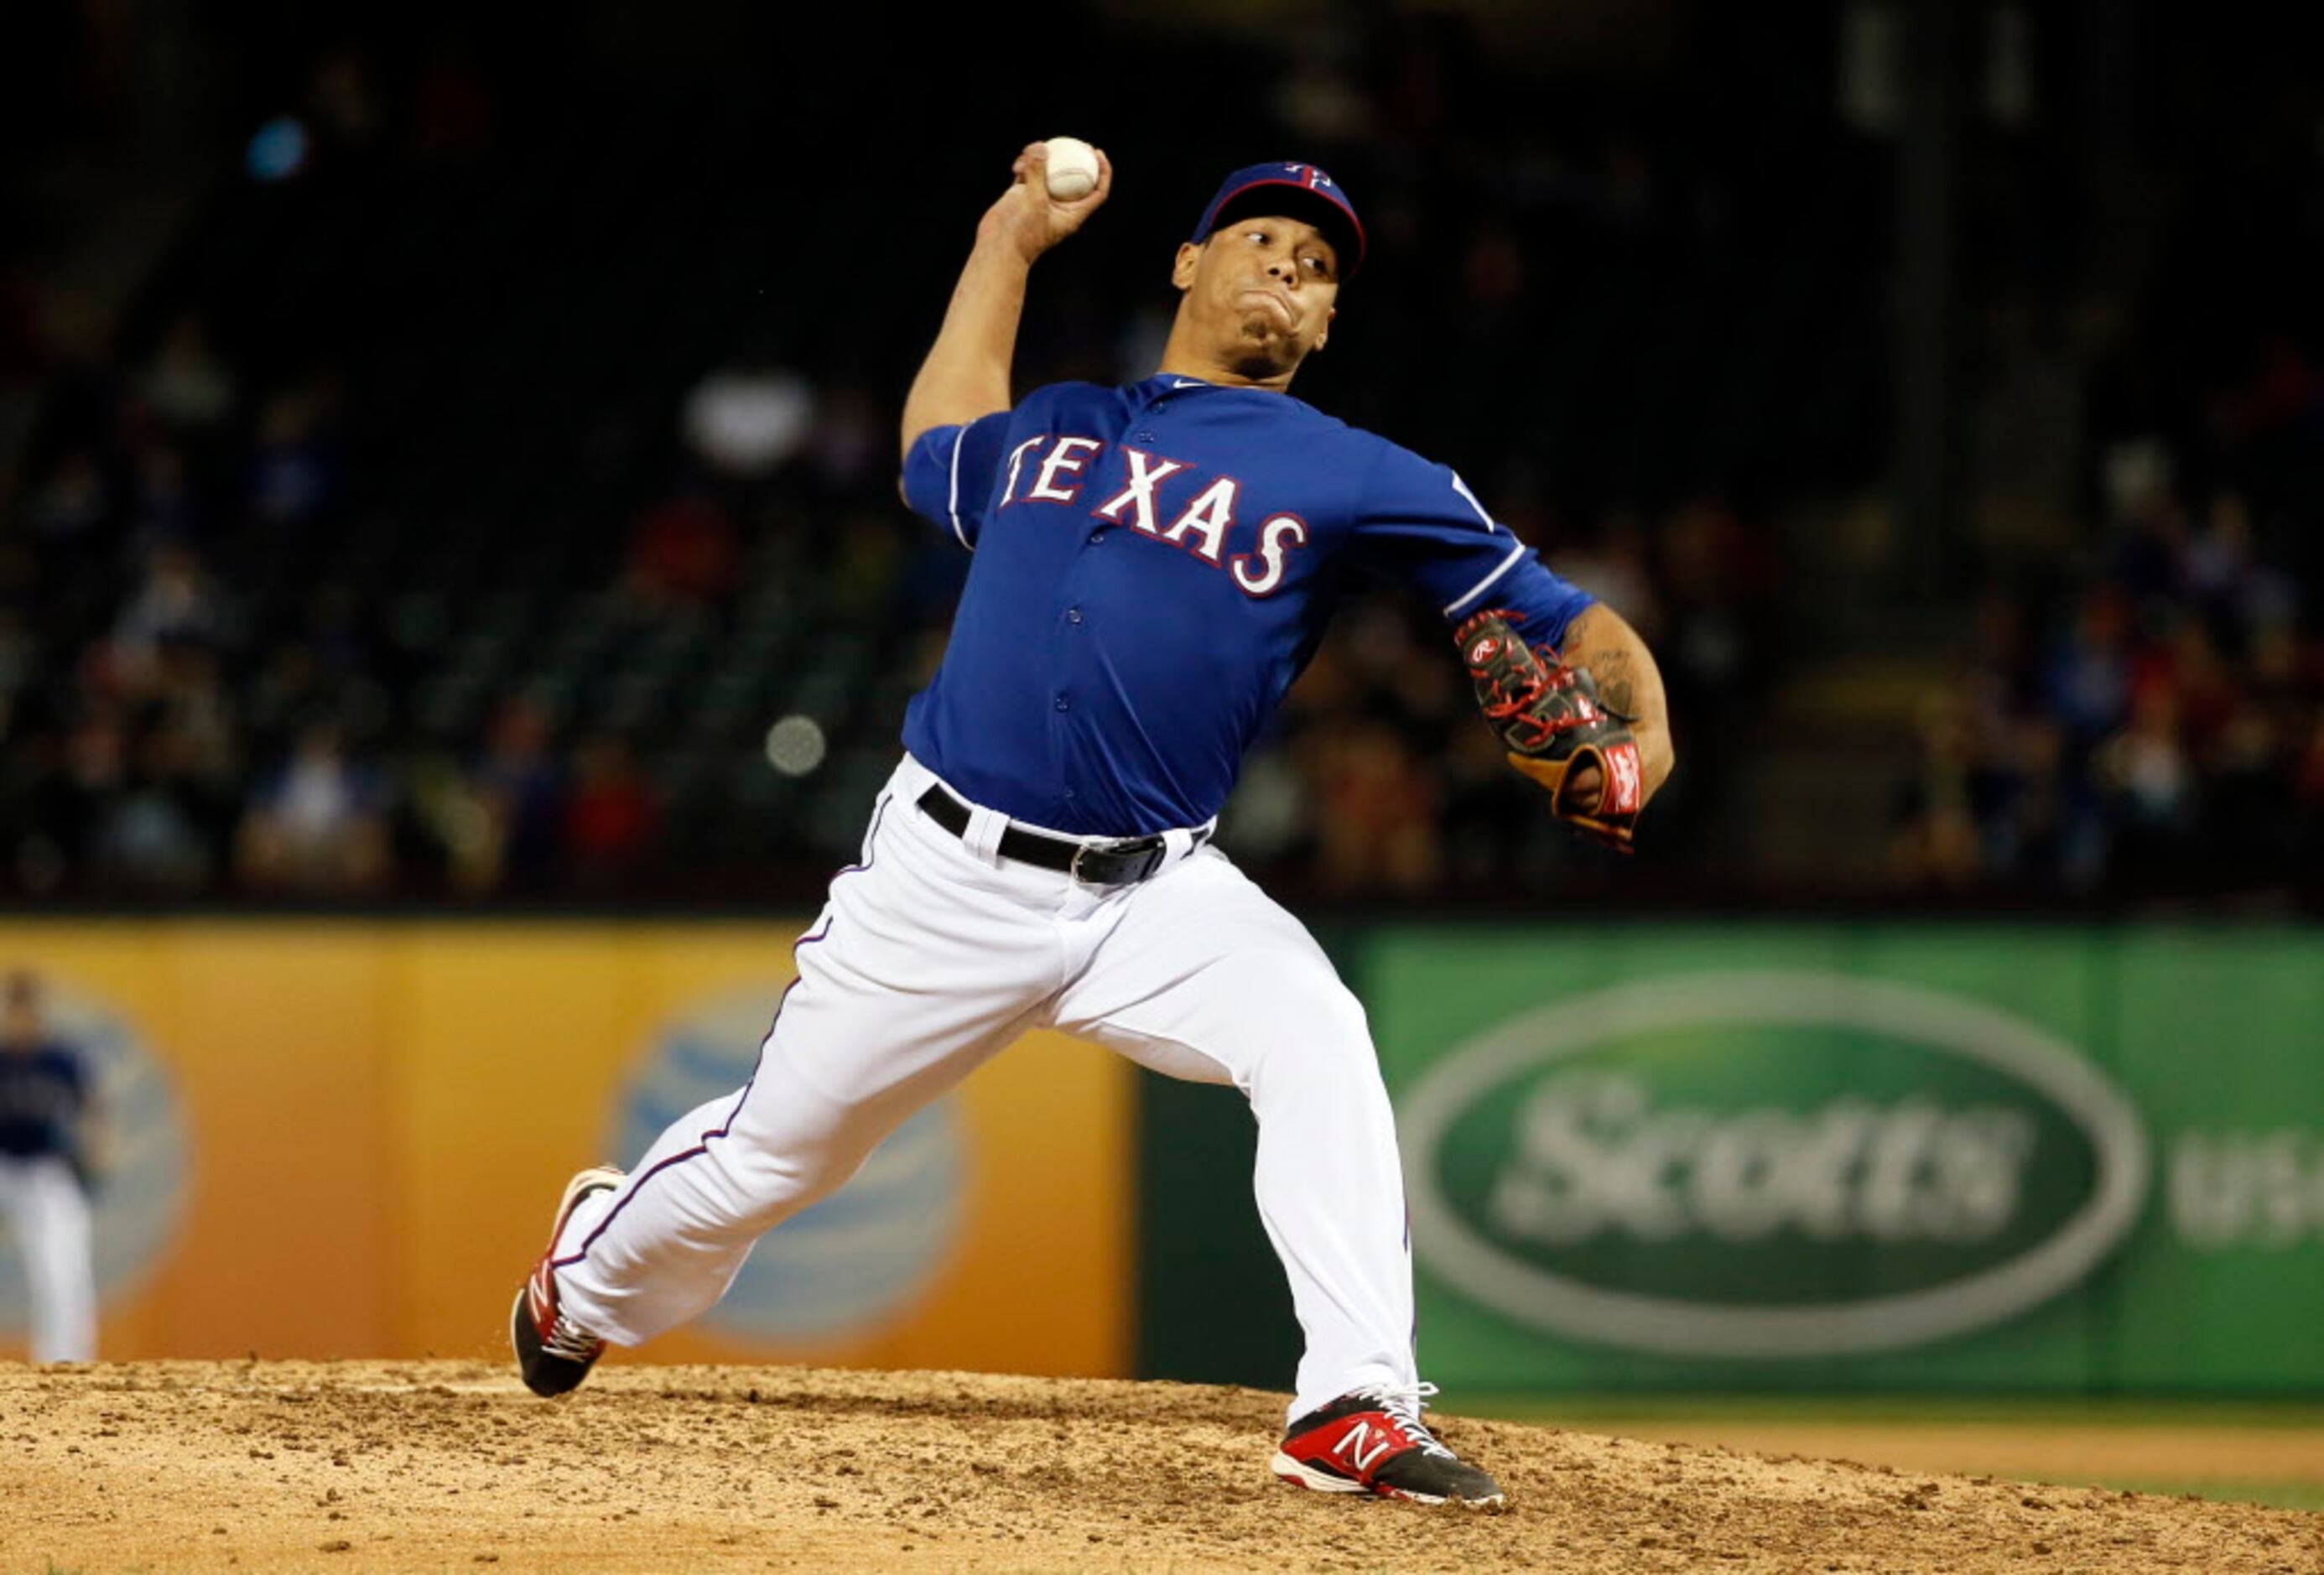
(1017, 225)
(1003, 246)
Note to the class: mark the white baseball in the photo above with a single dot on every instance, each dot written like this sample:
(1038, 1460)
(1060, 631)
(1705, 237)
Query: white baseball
(1073, 169)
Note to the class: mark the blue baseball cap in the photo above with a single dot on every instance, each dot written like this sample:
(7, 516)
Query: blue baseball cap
(1271, 186)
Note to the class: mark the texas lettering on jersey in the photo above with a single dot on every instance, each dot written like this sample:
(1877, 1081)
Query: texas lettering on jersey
(1196, 514)
(1086, 687)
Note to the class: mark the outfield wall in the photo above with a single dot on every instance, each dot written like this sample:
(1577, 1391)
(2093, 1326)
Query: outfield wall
(345, 1138)
(1920, 1157)
(1821, 1157)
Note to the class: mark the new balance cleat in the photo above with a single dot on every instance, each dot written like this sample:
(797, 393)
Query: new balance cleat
(1372, 1440)
(553, 1352)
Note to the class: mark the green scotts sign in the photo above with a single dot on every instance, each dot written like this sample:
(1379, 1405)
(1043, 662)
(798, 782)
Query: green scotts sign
(1764, 1164)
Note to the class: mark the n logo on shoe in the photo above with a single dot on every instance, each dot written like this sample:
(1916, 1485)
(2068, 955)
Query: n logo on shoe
(1352, 1443)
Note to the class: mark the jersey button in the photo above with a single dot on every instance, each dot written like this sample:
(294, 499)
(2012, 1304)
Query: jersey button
(1073, 615)
(1097, 535)
(1063, 704)
(1146, 437)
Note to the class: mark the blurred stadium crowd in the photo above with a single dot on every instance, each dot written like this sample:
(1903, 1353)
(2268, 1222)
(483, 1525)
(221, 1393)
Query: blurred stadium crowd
(487, 488)
(2151, 724)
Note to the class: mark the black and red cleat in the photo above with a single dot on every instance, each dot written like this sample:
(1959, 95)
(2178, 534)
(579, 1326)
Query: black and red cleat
(552, 1351)
(1372, 1440)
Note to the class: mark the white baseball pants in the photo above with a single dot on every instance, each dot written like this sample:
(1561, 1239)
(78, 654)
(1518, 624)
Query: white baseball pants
(930, 957)
(42, 1202)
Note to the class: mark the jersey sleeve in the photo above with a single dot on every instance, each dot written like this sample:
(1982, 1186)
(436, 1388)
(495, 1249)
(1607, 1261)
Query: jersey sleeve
(948, 474)
(1419, 523)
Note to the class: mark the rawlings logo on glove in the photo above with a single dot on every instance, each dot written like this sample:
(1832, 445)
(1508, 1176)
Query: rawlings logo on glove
(1556, 729)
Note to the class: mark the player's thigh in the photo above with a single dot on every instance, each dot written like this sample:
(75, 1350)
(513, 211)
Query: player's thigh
(920, 959)
(1207, 978)
(55, 1210)
(61, 1202)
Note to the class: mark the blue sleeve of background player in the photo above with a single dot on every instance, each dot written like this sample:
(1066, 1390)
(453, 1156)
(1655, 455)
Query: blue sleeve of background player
(949, 474)
(1419, 524)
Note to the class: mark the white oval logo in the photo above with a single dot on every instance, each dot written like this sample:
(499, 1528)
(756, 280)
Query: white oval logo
(1454, 1248)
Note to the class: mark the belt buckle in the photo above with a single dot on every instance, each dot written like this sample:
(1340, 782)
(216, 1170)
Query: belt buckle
(1152, 847)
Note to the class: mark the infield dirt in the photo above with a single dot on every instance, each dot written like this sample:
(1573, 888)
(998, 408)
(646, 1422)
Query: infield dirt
(443, 1466)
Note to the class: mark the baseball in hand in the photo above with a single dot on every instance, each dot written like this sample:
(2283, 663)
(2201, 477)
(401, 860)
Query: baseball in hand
(1073, 169)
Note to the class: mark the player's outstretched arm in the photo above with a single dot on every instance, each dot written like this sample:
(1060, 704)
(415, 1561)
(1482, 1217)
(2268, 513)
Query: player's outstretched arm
(966, 372)
(1628, 681)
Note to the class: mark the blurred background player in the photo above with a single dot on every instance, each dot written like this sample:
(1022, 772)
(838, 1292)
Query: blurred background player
(47, 1101)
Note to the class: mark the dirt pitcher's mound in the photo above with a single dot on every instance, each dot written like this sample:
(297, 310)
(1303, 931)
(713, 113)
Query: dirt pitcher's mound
(440, 1466)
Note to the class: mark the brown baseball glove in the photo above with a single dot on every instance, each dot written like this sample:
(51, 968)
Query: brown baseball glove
(1556, 730)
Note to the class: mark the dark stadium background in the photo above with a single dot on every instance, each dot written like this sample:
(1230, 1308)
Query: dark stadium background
(437, 444)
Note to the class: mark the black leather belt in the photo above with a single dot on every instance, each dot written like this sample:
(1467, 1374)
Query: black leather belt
(1114, 863)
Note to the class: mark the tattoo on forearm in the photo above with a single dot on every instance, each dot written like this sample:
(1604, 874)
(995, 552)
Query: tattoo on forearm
(1617, 683)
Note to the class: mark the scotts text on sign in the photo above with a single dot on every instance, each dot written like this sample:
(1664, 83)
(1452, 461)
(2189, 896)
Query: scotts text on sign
(1594, 1155)
(1768, 1164)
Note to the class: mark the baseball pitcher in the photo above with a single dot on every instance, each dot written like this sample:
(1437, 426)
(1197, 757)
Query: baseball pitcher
(1152, 567)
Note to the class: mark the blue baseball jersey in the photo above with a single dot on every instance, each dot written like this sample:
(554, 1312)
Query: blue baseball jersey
(1154, 567)
(42, 1092)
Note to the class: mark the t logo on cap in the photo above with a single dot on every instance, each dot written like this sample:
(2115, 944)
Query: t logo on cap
(1302, 190)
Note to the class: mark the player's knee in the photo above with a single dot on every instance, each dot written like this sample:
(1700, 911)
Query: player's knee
(760, 1184)
(1343, 1015)
(1317, 1027)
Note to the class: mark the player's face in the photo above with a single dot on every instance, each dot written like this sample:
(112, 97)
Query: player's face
(1261, 291)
